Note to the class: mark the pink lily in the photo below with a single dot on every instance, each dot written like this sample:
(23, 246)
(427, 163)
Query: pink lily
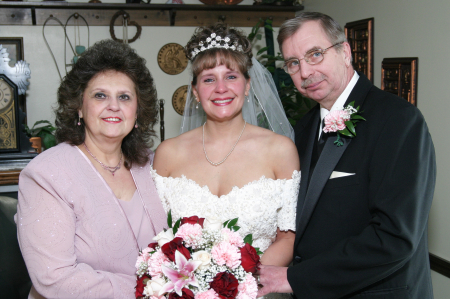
(182, 277)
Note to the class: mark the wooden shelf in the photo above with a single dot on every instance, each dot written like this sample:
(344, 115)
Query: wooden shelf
(100, 14)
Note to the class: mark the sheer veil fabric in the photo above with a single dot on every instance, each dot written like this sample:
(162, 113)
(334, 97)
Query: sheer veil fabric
(263, 107)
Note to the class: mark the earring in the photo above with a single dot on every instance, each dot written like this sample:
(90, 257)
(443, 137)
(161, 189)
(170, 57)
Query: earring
(79, 121)
(196, 106)
(136, 124)
(248, 99)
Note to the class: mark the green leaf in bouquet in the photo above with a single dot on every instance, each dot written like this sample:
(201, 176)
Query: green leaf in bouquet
(169, 219)
(357, 117)
(248, 239)
(226, 223)
(232, 223)
(350, 127)
(235, 228)
(176, 226)
(259, 252)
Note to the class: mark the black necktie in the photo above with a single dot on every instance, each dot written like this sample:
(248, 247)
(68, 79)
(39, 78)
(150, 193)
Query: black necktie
(322, 139)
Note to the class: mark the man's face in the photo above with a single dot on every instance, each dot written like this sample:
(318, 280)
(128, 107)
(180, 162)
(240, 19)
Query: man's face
(323, 82)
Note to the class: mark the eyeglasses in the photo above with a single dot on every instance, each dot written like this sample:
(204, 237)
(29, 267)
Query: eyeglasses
(313, 57)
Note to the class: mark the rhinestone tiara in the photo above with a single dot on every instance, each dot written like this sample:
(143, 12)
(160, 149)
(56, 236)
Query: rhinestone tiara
(215, 41)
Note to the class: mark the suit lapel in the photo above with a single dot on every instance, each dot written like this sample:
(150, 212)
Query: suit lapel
(305, 160)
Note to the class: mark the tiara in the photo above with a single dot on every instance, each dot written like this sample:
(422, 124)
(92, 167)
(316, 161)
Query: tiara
(215, 41)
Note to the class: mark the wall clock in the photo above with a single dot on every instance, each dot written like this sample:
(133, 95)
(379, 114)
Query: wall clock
(14, 144)
(9, 115)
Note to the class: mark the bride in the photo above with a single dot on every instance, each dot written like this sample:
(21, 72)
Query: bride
(225, 164)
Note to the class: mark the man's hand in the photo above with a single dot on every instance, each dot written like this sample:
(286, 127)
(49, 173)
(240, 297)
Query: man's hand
(273, 279)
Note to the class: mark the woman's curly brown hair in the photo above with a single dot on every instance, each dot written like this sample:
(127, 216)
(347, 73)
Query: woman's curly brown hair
(219, 56)
(107, 55)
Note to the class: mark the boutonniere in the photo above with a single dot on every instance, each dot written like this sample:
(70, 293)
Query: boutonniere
(343, 122)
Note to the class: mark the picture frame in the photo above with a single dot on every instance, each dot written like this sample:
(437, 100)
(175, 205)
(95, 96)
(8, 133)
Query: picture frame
(399, 76)
(14, 46)
(360, 37)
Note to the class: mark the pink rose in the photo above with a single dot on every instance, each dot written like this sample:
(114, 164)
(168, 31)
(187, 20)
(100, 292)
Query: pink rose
(190, 233)
(155, 262)
(335, 121)
(226, 254)
(232, 237)
(209, 294)
(248, 289)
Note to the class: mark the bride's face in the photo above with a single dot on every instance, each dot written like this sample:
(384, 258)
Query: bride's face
(221, 92)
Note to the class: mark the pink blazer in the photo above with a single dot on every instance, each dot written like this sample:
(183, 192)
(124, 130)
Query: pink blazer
(72, 231)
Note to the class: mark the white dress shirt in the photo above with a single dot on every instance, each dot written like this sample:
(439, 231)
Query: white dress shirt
(339, 104)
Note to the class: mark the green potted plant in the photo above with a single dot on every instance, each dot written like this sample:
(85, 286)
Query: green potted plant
(294, 103)
(42, 130)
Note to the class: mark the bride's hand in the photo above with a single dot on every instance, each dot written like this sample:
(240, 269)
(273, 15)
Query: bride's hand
(273, 280)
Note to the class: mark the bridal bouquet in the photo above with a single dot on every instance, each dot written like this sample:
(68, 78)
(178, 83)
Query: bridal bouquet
(197, 258)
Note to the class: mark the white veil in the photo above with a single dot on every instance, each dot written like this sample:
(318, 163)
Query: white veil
(263, 107)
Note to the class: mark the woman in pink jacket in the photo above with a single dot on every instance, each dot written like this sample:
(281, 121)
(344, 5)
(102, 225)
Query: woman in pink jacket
(87, 206)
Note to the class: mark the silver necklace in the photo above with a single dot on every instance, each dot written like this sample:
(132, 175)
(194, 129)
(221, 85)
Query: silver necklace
(204, 150)
(111, 169)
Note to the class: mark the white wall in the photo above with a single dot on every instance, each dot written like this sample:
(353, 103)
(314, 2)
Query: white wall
(414, 28)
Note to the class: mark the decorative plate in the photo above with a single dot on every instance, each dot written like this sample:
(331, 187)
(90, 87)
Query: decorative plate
(172, 59)
(179, 99)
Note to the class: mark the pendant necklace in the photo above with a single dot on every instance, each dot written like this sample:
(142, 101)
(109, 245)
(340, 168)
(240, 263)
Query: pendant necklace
(105, 167)
(204, 150)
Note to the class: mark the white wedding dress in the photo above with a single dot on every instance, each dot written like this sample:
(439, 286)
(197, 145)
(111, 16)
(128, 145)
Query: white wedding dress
(262, 206)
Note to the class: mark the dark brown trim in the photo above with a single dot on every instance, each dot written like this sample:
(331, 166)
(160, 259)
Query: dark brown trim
(440, 265)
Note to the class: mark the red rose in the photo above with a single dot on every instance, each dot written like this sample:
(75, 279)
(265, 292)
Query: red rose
(176, 244)
(225, 285)
(192, 220)
(249, 258)
(141, 283)
(185, 294)
(153, 245)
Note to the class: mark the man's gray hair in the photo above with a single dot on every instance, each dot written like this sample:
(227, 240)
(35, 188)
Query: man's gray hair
(332, 29)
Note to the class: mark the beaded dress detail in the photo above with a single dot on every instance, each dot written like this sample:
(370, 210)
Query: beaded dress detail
(262, 206)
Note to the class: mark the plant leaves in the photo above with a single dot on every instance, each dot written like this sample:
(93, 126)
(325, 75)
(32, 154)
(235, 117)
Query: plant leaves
(350, 127)
(356, 116)
(226, 223)
(235, 228)
(232, 222)
(345, 132)
(262, 50)
(176, 226)
(48, 140)
(169, 219)
(248, 239)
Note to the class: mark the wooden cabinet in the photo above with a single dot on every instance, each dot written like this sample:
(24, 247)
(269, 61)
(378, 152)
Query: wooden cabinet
(360, 37)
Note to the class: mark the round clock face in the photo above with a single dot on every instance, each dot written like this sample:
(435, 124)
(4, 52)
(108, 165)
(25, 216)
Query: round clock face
(6, 95)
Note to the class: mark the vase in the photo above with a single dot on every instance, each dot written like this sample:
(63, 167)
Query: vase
(36, 143)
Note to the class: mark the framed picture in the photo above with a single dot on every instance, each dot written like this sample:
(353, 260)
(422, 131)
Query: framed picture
(360, 37)
(14, 46)
(399, 76)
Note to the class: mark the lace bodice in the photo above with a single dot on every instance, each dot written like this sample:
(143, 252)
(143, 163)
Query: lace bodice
(262, 206)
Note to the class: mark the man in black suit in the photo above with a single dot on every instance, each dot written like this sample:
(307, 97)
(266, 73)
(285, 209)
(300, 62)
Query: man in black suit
(363, 206)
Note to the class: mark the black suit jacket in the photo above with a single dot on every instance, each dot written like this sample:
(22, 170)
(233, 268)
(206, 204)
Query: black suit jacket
(365, 235)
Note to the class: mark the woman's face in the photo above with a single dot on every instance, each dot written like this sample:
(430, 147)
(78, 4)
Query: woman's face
(221, 92)
(109, 106)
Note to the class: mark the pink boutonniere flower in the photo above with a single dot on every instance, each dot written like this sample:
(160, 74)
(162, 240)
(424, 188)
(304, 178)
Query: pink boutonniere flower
(343, 122)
